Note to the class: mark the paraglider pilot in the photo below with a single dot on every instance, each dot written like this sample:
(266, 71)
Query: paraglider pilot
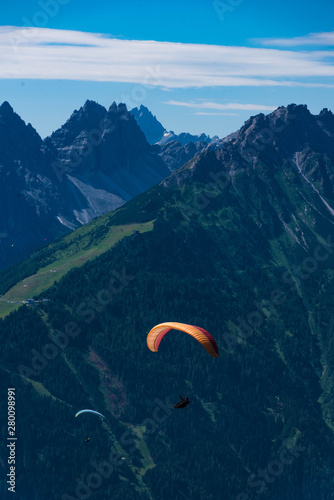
(183, 403)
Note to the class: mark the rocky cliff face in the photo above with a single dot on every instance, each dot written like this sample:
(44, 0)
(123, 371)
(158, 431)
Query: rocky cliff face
(103, 160)
(29, 198)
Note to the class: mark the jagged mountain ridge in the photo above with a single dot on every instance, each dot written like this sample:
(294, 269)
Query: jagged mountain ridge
(290, 135)
(112, 160)
(94, 163)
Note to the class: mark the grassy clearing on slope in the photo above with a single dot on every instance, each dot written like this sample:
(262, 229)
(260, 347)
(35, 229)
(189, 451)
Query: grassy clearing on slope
(76, 253)
(146, 460)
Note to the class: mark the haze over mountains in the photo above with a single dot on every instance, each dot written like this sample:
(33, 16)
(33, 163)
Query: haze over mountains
(94, 163)
(239, 241)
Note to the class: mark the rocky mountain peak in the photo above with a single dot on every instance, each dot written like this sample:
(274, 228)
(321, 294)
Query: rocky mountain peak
(326, 118)
(88, 111)
(117, 111)
(6, 108)
(149, 124)
(18, 140)
(325, 112)
(292, 128)
(10, 119)
(285, 134)
(88, 117)
(91, 107)
(113, 107)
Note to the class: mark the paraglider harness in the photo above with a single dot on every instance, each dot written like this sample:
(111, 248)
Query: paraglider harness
(183, 403)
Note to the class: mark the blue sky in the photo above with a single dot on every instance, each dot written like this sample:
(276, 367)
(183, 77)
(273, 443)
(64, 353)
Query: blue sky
(207, 65)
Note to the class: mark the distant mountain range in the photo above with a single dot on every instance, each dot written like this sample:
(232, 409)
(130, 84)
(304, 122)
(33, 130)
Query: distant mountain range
(239, 241)
(155, 133)
(94, 163)
(98, 160)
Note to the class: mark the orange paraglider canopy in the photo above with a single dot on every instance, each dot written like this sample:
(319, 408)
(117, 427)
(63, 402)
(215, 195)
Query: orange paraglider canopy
(202, 336)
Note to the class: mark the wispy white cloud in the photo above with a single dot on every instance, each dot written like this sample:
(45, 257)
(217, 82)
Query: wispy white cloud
(323, 39)
(217, 105)
(41, 53)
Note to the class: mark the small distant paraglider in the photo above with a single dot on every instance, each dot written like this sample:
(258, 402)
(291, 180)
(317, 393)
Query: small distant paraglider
(90, 411)
(183, 403)
(94, 413)
(157, 333)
